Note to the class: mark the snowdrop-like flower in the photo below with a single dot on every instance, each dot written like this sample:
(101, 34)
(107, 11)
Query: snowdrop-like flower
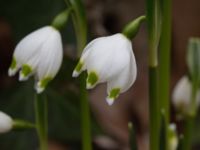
(109, 59)
(39, 53)
(181, 97)
(6, 122)
(173, 138)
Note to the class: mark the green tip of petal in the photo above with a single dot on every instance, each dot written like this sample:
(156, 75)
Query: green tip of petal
(92, 80)
(13, 67)
(41, 85)
(77, 69)
(25, 72)
(26, 69)
(13, 63)
(114, 93)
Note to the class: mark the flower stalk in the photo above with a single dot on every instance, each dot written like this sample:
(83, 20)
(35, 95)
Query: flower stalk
(154, 30)
(164, 65)
(80, 27)
(41, 120)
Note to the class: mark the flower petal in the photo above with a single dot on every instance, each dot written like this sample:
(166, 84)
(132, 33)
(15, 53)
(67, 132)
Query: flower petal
(108, 56)
(50, 56)
(30, 45)
(124, 80)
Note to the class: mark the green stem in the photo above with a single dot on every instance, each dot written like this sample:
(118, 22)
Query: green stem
(188, 132)
(41, 120)
(154, 29)
(164, 65)
(85, 114)
(80, 26)
(79, 21)
(154, 109)
(22, 125)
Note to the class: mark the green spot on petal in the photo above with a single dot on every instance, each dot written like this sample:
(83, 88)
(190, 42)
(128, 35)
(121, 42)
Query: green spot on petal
(45, 81)
(114, 93)
(79, 66)
(26, 70)
(92, 78)
(13, 63)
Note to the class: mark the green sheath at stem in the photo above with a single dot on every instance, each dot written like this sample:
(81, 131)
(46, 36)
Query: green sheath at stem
(41, 120)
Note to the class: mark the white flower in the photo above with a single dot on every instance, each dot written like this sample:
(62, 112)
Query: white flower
(109, 59)
(39, 53)
(6, 122)
(181, 97)
(173, 138)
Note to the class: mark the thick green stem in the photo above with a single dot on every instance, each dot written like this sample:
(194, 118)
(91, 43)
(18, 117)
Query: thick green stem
(164, 65)
(85, 114)
(188, 132)
(154, 109)
(80, 26)
(154, 29)
(41, 120)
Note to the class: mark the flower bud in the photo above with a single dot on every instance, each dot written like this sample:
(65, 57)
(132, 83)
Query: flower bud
(181, 98)
(6, 122)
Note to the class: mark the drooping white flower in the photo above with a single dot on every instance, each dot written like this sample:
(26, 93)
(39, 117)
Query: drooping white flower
(40, 54)
(6, 122)
(173, 137)
(109, 59)
(181, 97)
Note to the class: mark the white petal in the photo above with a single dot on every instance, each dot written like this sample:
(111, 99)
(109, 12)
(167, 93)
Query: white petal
(182, 92)
(51, 55)
(12, 72)
(5, 122)
(39, 89)
(108, 56)
(125, 79)
(110, 101)
(30, 45)
(75, 74)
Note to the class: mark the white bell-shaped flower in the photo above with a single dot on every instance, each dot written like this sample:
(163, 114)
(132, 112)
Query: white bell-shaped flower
(109, 59)
(6, 122)
(181, 97)
(40, 53)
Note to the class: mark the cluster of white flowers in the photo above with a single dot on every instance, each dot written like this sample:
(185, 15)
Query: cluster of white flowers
(39, 53)
(106, 59)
